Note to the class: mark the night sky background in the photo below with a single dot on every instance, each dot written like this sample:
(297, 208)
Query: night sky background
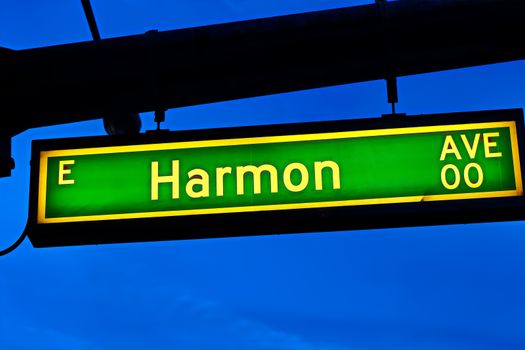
(447, 287)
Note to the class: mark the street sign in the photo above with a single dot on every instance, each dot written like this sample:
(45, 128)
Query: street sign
(366, 173)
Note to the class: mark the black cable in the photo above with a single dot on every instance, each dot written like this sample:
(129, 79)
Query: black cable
(14, 245)
(88, 11)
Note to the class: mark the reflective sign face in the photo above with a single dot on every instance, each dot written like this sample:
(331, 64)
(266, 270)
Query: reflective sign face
(213, 183)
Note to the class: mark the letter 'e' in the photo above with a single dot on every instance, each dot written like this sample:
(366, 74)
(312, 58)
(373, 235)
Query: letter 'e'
(64, 170)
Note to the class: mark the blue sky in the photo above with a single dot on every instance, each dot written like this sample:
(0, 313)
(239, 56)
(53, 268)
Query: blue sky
(448, 287)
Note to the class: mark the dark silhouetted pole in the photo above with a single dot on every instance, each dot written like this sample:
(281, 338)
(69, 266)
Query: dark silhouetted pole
(161, 70)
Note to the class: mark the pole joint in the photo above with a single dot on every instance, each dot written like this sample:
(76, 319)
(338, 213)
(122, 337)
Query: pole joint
(7, 163)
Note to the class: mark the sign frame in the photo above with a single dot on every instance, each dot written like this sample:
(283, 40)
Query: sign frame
(302, 220)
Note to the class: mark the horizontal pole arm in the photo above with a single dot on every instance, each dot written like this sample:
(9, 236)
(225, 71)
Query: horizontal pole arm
(161, 70)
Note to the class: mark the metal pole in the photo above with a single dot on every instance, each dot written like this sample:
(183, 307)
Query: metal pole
(82, 81)
(88, 11)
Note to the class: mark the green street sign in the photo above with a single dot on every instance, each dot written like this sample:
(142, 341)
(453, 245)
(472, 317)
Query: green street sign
(273, 179)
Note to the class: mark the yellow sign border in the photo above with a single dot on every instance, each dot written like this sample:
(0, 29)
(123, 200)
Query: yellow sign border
(45, 155)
